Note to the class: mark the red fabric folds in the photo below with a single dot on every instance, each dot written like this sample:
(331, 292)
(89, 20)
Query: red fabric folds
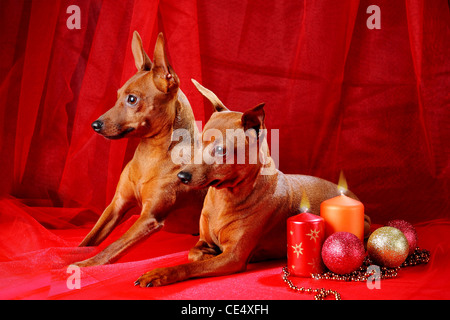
(373, 103)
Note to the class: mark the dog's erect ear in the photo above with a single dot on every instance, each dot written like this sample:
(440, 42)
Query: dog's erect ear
(208, 94)
(164, 76)
(254, 118)
(141, 59)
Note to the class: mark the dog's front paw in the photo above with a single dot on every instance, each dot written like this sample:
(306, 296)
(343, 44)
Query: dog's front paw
(155, 278)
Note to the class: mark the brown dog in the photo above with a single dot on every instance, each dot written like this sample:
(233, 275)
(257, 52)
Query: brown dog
(150, 106)
(245, 210)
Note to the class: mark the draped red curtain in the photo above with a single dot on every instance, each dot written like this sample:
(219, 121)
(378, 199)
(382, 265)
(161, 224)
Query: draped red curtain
(373, 103)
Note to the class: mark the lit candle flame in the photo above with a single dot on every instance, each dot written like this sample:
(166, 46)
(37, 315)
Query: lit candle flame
(342, 184)
(304, 204)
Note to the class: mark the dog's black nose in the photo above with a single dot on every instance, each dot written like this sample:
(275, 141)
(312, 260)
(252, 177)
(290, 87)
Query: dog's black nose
(97, 125)
(184, 176)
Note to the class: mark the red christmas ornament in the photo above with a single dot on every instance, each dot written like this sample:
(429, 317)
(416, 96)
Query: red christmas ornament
(343, 252)
(408, 230)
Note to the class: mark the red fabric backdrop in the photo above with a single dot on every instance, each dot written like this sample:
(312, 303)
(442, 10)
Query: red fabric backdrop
(371, 102)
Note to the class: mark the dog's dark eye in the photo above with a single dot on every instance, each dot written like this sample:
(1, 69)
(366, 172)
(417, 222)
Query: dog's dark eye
(131, 99)
(219, 151)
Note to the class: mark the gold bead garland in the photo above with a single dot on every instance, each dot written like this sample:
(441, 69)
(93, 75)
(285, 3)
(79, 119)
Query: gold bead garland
(321, 293)
(420, 256)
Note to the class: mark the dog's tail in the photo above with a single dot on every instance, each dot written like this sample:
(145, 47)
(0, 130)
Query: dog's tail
(208, 94)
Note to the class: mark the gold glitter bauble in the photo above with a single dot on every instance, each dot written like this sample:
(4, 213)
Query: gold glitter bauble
(388, 246)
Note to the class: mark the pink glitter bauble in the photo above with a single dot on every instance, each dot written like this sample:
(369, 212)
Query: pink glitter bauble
(343, 252)
(408, 230)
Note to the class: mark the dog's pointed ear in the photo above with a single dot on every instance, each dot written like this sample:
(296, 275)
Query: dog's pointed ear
(164, 76)
(208, 94)
(254, 118)
(141, 59)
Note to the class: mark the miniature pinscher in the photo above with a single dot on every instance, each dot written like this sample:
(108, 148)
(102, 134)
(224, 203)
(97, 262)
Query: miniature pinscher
(150, 106)
(245, 210)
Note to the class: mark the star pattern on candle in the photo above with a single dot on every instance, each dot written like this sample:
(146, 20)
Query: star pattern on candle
(314, 234)
(298, 249)
(315, 263)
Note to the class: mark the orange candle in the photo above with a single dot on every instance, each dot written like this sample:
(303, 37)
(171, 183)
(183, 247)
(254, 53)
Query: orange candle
(343, 213)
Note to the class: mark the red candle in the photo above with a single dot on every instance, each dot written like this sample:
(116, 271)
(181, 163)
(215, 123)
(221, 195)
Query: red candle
(343, 213)
(305, 236)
